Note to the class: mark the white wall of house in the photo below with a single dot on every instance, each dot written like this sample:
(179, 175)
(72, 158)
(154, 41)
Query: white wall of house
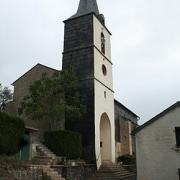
(157, 155)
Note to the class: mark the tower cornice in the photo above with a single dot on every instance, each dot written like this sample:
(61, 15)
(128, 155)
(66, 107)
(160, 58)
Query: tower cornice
(92, 13)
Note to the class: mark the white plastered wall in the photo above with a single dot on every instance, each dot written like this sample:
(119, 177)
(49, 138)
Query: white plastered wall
(102, 104)
(157, 158)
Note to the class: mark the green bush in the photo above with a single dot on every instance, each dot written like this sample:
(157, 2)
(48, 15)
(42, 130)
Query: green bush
(64, 143)
(127, 159)
(11, 131)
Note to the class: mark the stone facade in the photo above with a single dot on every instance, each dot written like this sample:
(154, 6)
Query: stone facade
(158, 157)
(78, 54)
(125, 123)
(21, 89)
(21, 86)
(82, 52)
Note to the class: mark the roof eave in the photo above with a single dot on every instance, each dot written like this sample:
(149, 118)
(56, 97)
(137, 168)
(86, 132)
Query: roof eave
(31, 69)
(73, 18)
(127, 109)
(177, 104)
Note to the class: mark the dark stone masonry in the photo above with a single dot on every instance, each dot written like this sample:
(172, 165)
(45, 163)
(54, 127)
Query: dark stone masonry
(79, 55)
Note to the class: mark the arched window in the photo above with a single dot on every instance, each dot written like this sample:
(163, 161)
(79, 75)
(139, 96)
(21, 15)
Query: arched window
(102, 43)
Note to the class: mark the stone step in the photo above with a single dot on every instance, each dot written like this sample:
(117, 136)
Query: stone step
(45, 158)
(114, 169)
(52, 176)
(55, 178)
(42, 160)
(43, 152)
(51, 173)
(42, 157)
(50, 154)
(39, 148)
(110, 174)
(111, 178)
(113, 172)
(41, 163)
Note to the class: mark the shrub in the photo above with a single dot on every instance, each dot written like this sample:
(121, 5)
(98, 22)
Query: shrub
(127, 159)
(11, 131)
(64, 143)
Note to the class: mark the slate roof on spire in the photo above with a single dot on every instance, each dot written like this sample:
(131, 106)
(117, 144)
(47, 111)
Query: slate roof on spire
(86, 7)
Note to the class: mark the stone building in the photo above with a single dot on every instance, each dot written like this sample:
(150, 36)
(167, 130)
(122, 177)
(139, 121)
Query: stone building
(125, 123)
(21, 89)
(107, 126)
(158, 146)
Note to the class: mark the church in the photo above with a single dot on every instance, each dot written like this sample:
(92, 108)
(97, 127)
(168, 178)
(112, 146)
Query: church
(106, 129)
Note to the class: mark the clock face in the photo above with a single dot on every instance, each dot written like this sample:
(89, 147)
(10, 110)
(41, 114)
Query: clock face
(104, 70)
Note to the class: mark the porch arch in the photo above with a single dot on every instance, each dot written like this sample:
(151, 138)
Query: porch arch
(105, 138)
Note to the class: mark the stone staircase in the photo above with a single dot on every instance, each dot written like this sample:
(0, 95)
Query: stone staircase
(113, 172)
(51, 174)
(45, 158)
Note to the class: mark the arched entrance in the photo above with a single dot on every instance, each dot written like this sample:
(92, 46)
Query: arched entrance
(105, 138)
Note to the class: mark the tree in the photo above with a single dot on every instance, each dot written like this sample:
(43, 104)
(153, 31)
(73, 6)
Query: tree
(5, 96)
(50, 98)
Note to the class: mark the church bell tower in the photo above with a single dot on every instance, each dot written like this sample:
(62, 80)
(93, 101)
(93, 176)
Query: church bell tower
(87, 50)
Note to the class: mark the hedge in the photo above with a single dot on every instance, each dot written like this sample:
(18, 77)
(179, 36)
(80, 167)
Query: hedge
(64, 143)
(11, 131)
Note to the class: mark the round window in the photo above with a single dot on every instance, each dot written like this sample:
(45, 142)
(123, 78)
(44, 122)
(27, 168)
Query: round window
(104, 70)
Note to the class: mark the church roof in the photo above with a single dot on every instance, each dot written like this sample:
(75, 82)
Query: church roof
(156, 118)
(124, 107)
(86, 7)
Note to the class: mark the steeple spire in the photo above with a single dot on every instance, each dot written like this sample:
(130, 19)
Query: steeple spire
(85, 7)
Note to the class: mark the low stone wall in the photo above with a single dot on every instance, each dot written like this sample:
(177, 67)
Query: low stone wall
(33, 172)
(21, 173)
(79, 172)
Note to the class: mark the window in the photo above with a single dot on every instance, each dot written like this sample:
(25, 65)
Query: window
(179, 173)
(105, 94)
(104, 70)
(117, 128)
(102, 43)
(177, 131)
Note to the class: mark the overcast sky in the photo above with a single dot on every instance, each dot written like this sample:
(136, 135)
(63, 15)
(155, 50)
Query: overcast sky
(145, 46)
